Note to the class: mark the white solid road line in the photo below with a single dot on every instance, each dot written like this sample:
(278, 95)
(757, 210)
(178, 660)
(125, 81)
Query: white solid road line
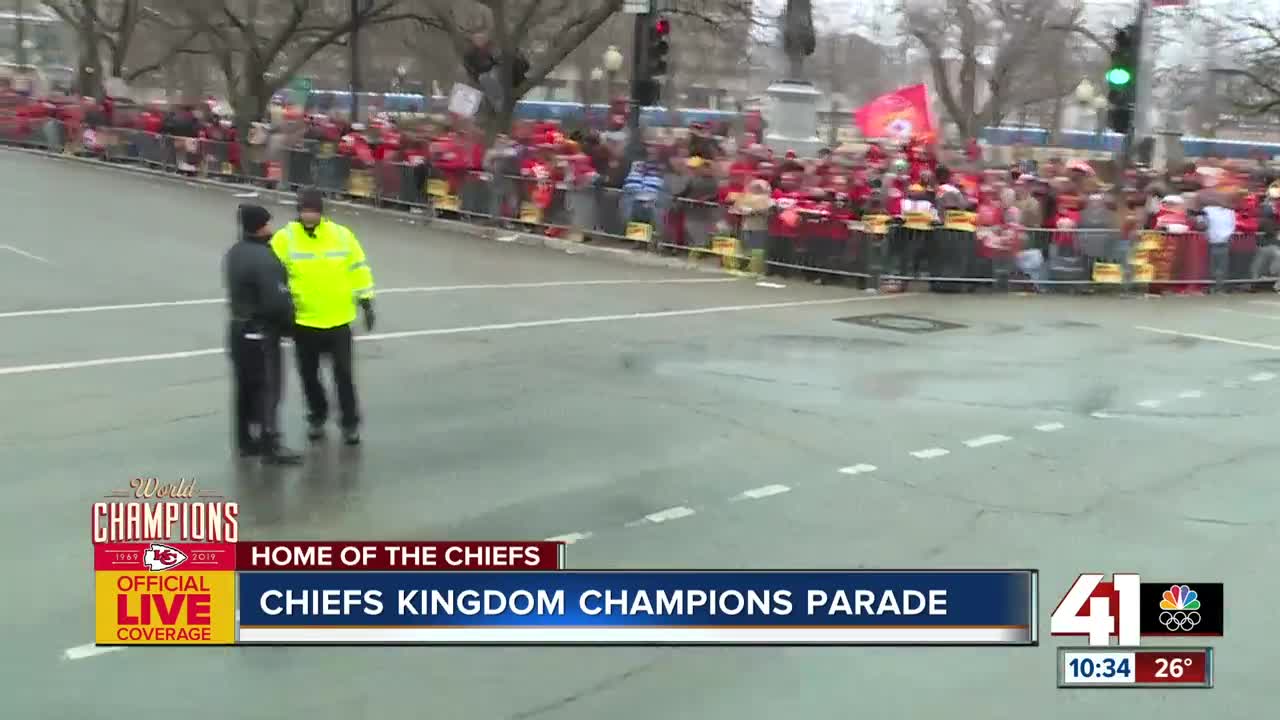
(673, 513)
(1208, 338)
(930, 453)
(987, 440)
(858, 469)
(385, 291)
(764, 492)
(134, 359)
(570, 538)
(80, 652)
(25, 254)
(104, 308)
(1050, 427)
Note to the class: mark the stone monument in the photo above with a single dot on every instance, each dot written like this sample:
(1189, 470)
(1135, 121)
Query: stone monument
(793, 102)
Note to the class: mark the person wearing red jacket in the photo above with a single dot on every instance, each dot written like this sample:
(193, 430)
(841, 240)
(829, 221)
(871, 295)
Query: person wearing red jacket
(540, 173)
(785, 223)
(842, 210)
(450, 161)
(876, 156)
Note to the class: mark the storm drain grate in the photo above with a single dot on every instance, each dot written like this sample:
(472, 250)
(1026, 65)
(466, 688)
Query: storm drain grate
(900, 323)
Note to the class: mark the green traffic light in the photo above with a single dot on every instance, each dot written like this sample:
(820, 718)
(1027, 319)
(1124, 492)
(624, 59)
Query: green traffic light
(1119, 76)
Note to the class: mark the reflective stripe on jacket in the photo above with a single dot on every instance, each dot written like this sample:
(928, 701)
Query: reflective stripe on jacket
(328, 273)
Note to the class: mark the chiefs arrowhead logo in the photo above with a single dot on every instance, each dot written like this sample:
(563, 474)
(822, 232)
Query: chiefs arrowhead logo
(162, 557)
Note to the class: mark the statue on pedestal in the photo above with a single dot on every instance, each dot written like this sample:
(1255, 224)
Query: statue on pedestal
(798, 37)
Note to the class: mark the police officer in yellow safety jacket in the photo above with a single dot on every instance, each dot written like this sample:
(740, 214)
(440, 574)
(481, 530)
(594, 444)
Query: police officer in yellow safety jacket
(328, 277)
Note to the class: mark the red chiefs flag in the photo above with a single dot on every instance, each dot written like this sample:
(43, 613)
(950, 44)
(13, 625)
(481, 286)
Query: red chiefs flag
(901, 115)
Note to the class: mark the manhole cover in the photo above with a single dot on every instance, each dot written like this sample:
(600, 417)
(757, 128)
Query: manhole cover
(900, 323)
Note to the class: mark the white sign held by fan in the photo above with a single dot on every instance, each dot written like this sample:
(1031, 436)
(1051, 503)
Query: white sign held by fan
(464, 100)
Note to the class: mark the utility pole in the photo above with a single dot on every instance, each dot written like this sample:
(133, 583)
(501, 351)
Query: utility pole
(354, 46)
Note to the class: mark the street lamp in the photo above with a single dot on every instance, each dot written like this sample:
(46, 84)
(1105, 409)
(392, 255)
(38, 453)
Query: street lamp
(612, 59)
(1085, 92)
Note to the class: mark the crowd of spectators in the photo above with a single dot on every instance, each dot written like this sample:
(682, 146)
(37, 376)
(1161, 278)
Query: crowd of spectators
(1052, 220)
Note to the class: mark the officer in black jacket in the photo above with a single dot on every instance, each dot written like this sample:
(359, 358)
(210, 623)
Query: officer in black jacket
(261, 313)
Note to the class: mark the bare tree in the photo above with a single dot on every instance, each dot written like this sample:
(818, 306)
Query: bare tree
(1255, 86)
(540, 33)
(988, 56)
(258, 45)
(128, 32)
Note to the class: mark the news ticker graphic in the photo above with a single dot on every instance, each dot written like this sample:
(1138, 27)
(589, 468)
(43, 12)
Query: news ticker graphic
(312, 556)
(640, 607)
(1088, 667)
(169, 569)
(1128, 609)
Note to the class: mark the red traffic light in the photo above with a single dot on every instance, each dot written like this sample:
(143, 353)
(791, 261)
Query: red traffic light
(662, 26)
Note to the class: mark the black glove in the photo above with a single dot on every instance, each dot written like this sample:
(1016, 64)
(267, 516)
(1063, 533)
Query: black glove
(369, 317)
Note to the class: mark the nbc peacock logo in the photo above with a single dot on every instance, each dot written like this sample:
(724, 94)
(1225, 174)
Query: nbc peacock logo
(1179, 608)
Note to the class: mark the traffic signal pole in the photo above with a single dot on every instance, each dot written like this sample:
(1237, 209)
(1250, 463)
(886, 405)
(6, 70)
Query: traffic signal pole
(1140, 124)
(639, 61)
(1145, 68)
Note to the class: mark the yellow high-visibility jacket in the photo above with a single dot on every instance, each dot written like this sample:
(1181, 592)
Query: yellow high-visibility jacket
(328, 273)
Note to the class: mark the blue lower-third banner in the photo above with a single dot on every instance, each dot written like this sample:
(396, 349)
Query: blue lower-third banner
(641, 607)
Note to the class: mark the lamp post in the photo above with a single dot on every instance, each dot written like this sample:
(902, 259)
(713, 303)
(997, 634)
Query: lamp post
(1089, 99)
(597, 77)
(1100, 105)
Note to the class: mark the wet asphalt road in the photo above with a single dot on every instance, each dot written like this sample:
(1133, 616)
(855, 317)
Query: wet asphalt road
(1126, 450)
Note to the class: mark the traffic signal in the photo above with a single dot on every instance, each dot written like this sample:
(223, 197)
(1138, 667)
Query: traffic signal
(1121, 76)
(657, 46)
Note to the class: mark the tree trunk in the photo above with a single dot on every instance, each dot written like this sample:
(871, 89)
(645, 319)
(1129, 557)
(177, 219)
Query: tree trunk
(89, 71)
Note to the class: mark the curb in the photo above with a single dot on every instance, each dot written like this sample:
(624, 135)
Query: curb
(624, 254)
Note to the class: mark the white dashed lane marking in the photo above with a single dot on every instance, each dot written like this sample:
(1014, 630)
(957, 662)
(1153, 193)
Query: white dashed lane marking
(1150, 404)
(858, 469)
(987, 440)
(764, 492)
(81, 652)
(673, 513)
(1190, 394)
(1050, 427)
(930, 453)
(1262, 377)
(570, 538)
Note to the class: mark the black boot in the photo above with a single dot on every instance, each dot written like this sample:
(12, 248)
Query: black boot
(315, 432)
(351, 436)
(274, 453)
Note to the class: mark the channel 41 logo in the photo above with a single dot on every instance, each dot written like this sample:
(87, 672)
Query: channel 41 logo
(1128, 609)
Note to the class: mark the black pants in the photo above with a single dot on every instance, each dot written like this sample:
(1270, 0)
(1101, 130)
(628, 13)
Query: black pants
(256, 362)
(311, 344)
